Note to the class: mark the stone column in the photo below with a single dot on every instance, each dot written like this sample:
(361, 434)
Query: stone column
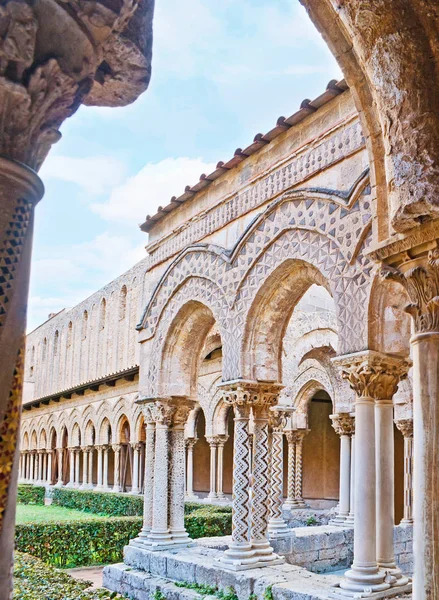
(105, 468)
(40, 456)
(277, 526)
(85, 453)
(420, 277)
(393, 371)
(213, 444)
(99, 485)
(250, 546)
(135, 475)
(290, 502)
(373, 377)
(71, 482)
(49, 467)
(116, 481)
(222, 439)
(28, 463)
(350, 519)
(190, 496)
(148, 499)
(59, 454)
(77, 467)
(300, 435)
(90, 467)
(177, 474)
(343, 425)
(405, 426)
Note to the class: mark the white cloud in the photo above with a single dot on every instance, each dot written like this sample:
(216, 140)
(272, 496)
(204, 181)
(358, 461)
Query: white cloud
(78, 271)
(94, 174)
(152, 186)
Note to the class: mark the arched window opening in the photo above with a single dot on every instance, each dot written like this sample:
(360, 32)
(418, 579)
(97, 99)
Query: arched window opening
(84, 325)
(123, 302)
(69, 334)
(102, 314)
(56, 343)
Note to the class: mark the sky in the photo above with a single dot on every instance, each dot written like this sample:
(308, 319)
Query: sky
(221, 72)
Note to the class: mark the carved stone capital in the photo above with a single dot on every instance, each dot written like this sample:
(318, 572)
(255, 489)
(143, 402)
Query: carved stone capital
(405, 426)
(278, 417)
(343, 423)
(136, 446)
(372, 374)
(213, 440)
(190, 442)
(55, 55)
(169, 410)
(116, 448)
(420, 278)
(250, 393)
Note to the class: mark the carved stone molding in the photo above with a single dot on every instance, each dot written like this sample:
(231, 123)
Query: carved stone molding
(170, 411)
(250, 393)
(343, 423)
(405, 426)
(420, 278)
(372, 374)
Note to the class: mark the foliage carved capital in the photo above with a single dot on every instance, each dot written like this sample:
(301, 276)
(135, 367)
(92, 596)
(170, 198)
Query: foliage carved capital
(405, 426)
(343, 423)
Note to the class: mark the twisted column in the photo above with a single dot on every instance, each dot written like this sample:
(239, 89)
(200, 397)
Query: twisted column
(343, 424)
(277, 526)
(190, 496)
(250, 546)
(300, 435)
(116, 479)
(148, 498)
(290, 502)
(405, 426)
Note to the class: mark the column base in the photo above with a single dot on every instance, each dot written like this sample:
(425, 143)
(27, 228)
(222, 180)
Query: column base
(338, 521)
(289, 505)
(210, 499)
(134, 492)
(364, 579)
(58, 484)
(116, 489)
(277, 528)
(192, 498)
(340, 594)
(239, 557)
(350, 520)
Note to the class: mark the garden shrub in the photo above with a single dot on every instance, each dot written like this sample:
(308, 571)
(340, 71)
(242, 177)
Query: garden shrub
(100, 503)
(77, 543)
(189, 507)
(30, 494)
(206, 522)
(34, 580)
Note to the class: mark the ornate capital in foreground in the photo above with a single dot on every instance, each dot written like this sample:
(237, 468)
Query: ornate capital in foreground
(372, 374)
(405, 426)
(169, 410)
(250, 393)
(343, 423)
(420, 278)
(56, 55)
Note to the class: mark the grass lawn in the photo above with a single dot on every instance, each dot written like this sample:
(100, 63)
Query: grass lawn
(29, 513)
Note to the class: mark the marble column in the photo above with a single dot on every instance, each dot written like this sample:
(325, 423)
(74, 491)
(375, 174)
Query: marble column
(177, 476)
(90, 468)
(105, 468)
(374, 377)
(190, 495)
(250, 547)
(59, 454)
(135, 475)
(418, 271)
(213, 444)
(343, 425)
(116, 480)
(221, 497)
(49, 467)
(350, 519)
(40, 466)
(71, 482)
(405, 426)
(99, 486)
(277, 526)
(28, 466)
(300, 436)
(148, 499)
(85, 453)
(290, 502)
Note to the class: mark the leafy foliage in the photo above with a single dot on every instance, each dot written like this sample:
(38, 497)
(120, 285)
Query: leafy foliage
(311, 521)
(209, 590)
(190, 507)
(78, 543)
(100, 503)
(30, 494)
(268, 593)
(207, 522)
(34, 580)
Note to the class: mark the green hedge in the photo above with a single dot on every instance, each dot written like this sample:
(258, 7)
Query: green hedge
(100, 503)
(206, 522)
(78, 543)
(189, 507)
(34, 580)
(30, 494)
